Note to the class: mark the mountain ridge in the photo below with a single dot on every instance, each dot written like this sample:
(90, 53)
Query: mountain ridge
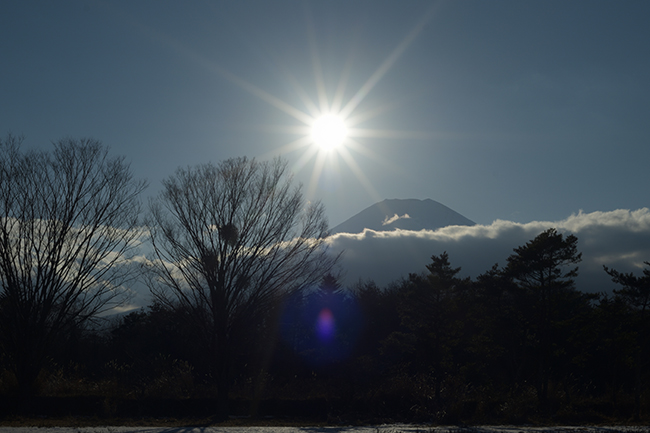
(403, 214)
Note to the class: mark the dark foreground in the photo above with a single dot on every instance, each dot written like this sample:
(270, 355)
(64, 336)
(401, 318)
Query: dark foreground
(386, 428)
(84, 411)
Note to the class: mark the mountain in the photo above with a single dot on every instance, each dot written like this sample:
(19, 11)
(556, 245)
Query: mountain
(409, 214)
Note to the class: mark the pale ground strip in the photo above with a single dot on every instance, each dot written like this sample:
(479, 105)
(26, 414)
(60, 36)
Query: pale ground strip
(376, 429)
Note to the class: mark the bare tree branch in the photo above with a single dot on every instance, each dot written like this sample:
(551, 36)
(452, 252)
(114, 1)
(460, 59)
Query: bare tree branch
(228, 241)
(67, 220)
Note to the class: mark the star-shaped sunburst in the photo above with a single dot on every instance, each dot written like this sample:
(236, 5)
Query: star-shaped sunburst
(329, 129)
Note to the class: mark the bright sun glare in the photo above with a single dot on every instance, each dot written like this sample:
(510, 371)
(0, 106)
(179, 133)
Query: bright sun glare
(328, 131)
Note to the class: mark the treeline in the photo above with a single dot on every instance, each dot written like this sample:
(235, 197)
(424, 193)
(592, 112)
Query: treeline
(249, 319)
(518, 344)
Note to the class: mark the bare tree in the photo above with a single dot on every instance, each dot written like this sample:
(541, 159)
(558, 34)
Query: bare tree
(68, 223)
(228, 240)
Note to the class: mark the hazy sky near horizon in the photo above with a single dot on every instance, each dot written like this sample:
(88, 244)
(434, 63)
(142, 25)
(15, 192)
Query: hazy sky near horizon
(507, 110)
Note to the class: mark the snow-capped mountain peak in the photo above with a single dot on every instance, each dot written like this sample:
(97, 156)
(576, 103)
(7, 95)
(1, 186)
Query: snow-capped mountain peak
(408, 214)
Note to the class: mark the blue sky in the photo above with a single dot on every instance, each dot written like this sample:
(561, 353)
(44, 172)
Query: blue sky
(518, 111)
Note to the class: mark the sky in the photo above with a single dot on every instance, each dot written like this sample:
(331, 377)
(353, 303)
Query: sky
(520, 116)
(500, 110)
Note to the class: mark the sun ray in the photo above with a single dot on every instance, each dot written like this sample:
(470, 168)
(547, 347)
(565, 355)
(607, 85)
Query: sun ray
(356, 170)
(360, 149)
(359, 117)
(316, 174)
(335, 162)
(323, 106)
(316, 66)
(304, 159)
(386, 64)
(293, 146)
(337, 102)
(325, 158)
(340, 89)
(363, 150)
(254, 90)
(217, 69)
(284, 129)
(265, 96)
(389, 133)
(312, 108)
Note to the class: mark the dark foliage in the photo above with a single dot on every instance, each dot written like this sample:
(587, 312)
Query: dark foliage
(230, 241)
(67, 219)
(519, 344)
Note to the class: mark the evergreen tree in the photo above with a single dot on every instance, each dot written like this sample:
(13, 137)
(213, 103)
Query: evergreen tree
(635, 294)
(546, 291)
(430, 324)
(494, 324)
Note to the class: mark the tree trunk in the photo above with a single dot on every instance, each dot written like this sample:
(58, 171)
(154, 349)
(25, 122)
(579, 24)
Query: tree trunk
(637, 390)
(222, 364)
(26, 376)
(542, 382)
(223, 390)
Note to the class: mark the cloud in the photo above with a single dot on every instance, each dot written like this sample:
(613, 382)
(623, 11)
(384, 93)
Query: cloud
(394, 218)
(619, 239)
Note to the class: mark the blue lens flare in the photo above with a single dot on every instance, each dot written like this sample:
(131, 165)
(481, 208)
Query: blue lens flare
(321, 328)
(325, 325)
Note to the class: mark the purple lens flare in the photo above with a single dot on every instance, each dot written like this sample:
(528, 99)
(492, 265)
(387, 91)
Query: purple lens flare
(325, 325)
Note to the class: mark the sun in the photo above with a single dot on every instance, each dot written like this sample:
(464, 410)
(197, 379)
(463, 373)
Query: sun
(330, 128)
(328, 132)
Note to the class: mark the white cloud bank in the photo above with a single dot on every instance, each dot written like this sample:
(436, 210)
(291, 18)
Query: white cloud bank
(619, 239)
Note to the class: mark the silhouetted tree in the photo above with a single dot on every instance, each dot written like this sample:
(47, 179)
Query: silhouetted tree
(328, 286)
(635, 294)
(545, 288)
(635, 291)
(428, 313)
(607, 350)
(68, 222)
(381, 317)
(492, 324)
(228, 239)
